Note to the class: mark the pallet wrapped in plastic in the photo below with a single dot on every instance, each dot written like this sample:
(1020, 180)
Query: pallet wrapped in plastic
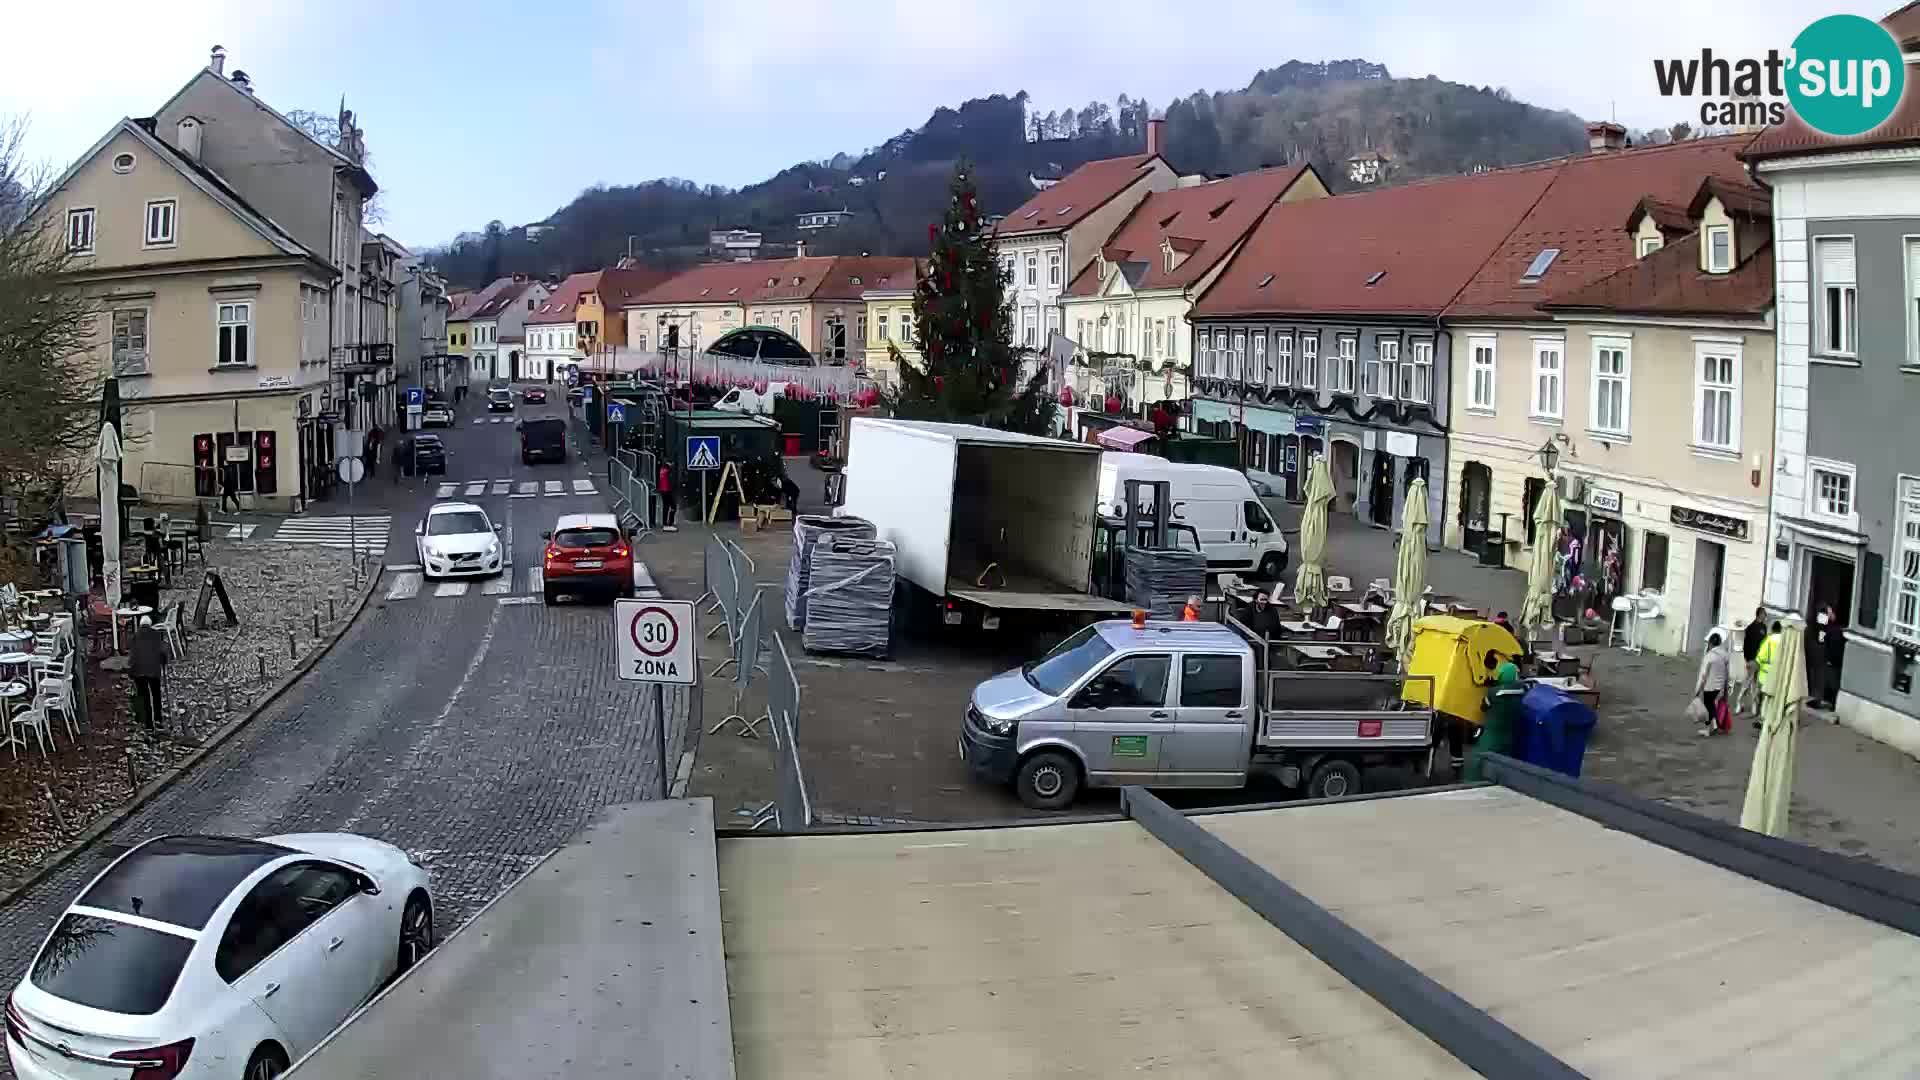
(850, 602)
(809, 530)
(1159, 582)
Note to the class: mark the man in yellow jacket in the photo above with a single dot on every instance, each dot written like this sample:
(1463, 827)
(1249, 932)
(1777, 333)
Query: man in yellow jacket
(1763, 669)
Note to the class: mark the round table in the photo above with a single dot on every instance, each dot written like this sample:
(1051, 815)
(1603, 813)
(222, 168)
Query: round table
(130, 614)
(10, 694)
(12, 638)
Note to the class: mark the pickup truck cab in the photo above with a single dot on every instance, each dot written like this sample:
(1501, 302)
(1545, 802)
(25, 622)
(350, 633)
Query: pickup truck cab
(1181, 704)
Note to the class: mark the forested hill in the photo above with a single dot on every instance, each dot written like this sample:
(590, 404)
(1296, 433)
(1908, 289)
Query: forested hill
(1324, 112)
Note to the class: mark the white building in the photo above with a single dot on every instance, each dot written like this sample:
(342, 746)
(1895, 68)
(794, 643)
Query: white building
(552, 333)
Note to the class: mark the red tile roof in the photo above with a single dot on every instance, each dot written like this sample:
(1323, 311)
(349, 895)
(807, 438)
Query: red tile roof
(1667, 217)
(1317, 255)
(1904, 24)
(1670, 282)
(558, 307)
(1581, 215)
(484, 297)
(492, 306)
(620, 286)
(1204, 222)
(813, 278)
(1078, 194)
(1900, 129)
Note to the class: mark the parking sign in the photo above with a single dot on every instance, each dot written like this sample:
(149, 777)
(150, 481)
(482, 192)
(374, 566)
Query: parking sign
(416, 396)
(653, 641)
(703, 451)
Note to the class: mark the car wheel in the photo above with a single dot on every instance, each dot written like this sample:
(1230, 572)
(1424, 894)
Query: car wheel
(550, 594)
(416, 932)
(1273, 566)
(1334, 778)
(1048, 780)
(266, 1063)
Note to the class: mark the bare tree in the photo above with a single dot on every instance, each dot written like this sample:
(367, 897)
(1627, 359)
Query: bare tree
(326, 130)
(49, 414)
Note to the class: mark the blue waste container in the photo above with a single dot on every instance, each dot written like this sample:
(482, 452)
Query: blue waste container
(1553, 730)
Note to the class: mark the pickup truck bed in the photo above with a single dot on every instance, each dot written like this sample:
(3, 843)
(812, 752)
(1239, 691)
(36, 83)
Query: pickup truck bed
(1024, 593)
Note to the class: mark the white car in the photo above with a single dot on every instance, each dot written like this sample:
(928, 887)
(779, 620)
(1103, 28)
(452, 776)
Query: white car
(457, 539)
(214, 958)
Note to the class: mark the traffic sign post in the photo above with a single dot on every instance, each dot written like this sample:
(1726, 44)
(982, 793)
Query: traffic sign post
(616, 419)
(653, 642)
(703, 455)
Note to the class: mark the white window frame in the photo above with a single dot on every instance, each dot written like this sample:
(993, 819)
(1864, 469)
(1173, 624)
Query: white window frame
(1053, 268)
(1713, 233)
(880, 327)
(80, 231)
(1052, 324)
(1477, 367)
(1910, 252)
(1846, 346)
(171, 218)
(1282, 358)
(122, 365)
(1647, 245)
(1033, 269)
(1383, 367)
(1416, 375)
(1815, 505)
(1222, 354)
(1261, 373)
(1538, 407)
(1903, 569)
(1599, 380)
(1346, 364)
(1703, 352)
(1310, 360)
(241, 327)
(1237, 357)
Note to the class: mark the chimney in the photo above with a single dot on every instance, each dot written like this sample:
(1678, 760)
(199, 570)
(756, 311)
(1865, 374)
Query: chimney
(1154, 129)
(187, 137)
(241, 80)
(1603, 136)
(219, 62)
(799, 249)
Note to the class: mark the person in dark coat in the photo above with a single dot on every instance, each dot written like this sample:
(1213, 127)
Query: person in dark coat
(1833, 650)
(1261, 618)
(147, 662)
(230, 486)
(1748, 698)
(669, 505)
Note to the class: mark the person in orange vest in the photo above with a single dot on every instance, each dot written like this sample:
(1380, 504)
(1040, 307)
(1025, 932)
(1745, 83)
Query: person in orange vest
(1192, 611)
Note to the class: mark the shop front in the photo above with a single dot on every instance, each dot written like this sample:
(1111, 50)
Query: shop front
(1387, 463)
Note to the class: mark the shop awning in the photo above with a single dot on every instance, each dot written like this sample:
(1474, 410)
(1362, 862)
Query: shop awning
(1122, 438)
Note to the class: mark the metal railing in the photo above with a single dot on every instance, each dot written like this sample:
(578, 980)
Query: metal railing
(632, 494)
(756, 650)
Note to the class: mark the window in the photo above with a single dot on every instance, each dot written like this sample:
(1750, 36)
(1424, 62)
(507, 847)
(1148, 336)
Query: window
(1237, 359)
(291, 899)
(112, 965)
(1480, 373)
(1830, 491)
(80, 231)
(1905, 622)
(793, 318)
(1310, 360)
(130, 341)
(160, 218)
(1833, 262)
(1210, 682)
(1283, 359)
(1653, 561)
(1381, 368)
(1416, 379)
(880, 327)
(1029, 316)
(236, 335)
(1053, 322)
(1719, 248)
(860, 328)
(1053, 268)
(1033, 269)
(1647, 245)
(1222, 355)
(1138, 682)
(1716, 394)
(905, 319)
(1160, 338)
(1345, 365)
(1530, 502)
(1548, 357)
(1538, 268)
(1006, 268)
(123, 163)
(1612, 397)
(1258, 370)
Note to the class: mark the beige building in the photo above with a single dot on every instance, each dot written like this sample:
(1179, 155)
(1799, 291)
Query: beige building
(889, 329)
(212, 317)
(816, 299)
(1654, 387)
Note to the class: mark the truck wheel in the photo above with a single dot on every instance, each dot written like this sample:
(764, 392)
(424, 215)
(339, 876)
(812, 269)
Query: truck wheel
(1047, 781)
(1333, 778)
(1273, 566)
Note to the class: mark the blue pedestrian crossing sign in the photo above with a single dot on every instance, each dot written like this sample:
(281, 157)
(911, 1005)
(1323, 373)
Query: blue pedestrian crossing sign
(616, 414)
(703, 451)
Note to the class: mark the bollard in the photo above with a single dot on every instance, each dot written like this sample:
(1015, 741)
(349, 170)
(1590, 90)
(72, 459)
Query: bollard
(316, 620)
(330, 615)
(133, 779)
(292, 650)
(59, 819)
(261, 658)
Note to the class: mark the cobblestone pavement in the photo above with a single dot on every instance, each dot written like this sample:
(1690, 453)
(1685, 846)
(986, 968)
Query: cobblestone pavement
(478, 731)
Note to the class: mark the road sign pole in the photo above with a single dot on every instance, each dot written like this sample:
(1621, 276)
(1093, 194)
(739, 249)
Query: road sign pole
(660, 720)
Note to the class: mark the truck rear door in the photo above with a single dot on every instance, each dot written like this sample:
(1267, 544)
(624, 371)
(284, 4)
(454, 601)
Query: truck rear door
(1213, 734)
(1121, 719)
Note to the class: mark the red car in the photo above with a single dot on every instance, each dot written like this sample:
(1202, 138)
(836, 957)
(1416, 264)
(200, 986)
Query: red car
(534, 396)
(587, 554)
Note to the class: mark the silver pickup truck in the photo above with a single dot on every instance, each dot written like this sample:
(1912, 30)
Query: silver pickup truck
(1182, 704)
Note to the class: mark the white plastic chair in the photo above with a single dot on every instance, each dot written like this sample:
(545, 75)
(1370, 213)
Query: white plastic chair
(1339, 583)
(56, 692)
(33, 717)
(170, 626)
(1620, 622)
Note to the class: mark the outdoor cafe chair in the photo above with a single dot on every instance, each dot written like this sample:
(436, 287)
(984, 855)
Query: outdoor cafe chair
(56, 692)
(169, 624)
(33, 718)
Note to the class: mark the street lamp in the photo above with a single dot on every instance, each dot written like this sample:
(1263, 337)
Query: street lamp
(1549, 455)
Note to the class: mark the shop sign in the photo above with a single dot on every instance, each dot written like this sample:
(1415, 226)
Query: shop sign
(274, 382)
(1707, 521)
(1403, 444)
(1309, 425)
(1604, 499)
(306, 406)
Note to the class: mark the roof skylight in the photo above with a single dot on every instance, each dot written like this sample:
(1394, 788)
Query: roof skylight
(1537, 269)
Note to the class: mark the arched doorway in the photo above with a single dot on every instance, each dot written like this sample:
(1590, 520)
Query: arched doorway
(1345, 466)
(1476, 499)
(513, 364)
(1380, 490)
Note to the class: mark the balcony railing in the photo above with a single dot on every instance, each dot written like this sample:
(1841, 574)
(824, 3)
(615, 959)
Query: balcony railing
(363, 358)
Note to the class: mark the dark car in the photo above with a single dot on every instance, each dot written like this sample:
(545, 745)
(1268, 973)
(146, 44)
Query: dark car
(499, 399)
(429, 455)
(534, 396)
(543, 438)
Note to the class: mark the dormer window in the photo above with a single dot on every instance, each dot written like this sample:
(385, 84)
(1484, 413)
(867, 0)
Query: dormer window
(1719, 243)
(1647, 245)
(796, 282)
(855, 279)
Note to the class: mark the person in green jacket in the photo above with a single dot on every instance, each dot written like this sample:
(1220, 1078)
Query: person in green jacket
(1498, 720)
(1763, 669)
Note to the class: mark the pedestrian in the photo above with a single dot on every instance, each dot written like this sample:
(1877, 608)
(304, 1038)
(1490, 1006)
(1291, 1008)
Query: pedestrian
(1750, 640)
(1711, 683)
(1499, 719)
(1763, 669)
(790, 493)
(1191, 613)
(1832, 655)
(147, 661)
(1500, 620)
(230, 486)
(1263, 619)
(668, 506)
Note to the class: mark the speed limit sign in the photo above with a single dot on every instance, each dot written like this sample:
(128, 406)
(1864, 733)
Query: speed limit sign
(653, 641)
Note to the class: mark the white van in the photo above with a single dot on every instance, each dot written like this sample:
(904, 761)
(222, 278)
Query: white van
(1236, 532)
(751, 401)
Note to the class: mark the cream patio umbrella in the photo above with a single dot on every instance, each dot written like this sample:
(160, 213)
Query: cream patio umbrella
(1409, 572)
(1770, 784)
(1310, 581)
(1536, 611)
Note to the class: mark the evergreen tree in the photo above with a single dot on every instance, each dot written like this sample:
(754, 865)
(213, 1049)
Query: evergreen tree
(964, 325)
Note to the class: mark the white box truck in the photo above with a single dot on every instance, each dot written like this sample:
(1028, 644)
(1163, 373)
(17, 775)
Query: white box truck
(986, 525)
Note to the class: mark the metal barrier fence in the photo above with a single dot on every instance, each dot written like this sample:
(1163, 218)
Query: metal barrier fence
(792, 807)
(632, 496)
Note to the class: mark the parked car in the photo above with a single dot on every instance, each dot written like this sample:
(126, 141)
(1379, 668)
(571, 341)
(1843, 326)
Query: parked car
(543, 438)
(429, 455)
(215, 958)
(436, 416)
(587, 554)
(499, 399)
(534, 396)
(456, 539)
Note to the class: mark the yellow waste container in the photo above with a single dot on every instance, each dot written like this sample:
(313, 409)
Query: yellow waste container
(1452, 652)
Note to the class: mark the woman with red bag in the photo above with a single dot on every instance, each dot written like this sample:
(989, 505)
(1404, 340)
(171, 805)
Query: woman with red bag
(1711, 686)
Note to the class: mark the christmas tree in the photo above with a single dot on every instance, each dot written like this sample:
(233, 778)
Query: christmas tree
(964, 325)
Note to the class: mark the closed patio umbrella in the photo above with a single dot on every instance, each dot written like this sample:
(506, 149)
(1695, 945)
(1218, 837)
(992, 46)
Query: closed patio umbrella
(1409, 572)
(1536, 611)
(1310, 581)
(108, 456)
(1770, 784)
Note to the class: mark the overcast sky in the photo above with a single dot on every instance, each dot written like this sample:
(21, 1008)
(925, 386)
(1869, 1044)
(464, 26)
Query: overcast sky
(487, 109)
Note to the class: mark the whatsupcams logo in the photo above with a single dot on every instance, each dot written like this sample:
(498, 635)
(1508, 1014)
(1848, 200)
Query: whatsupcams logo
(1843, 76)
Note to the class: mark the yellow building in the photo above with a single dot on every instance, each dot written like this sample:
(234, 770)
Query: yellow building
(213, 319)
(889, 323)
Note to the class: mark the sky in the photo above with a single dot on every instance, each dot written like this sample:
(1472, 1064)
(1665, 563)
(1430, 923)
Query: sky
(493, 110)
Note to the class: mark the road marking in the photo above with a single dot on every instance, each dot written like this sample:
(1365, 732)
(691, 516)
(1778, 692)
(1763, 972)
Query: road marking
(444, 491)
(405, 587)
(401, 568)
(498, 586)
(366, 533)
(536, 580)
(450, 588)
(518, 600)
(499, 419)
(475, 487)
(501, 487)
(553, 487)
(528, 487)
(584, 487)
(241, 532)
(479, 419)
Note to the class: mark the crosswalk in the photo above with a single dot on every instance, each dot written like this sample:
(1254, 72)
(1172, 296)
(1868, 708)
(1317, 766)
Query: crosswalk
(364, 532)
(493, 419)
(410, 584)
(523, 489)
